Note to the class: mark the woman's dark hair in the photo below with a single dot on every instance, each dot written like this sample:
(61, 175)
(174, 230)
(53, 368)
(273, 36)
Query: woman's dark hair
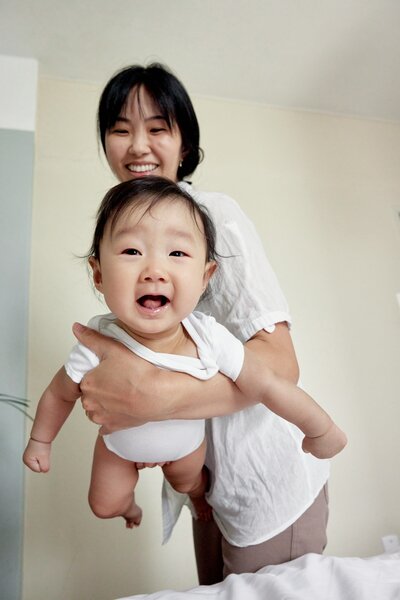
(169, 96)
(149, 191)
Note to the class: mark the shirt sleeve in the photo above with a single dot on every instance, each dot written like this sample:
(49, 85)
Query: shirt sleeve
(244, 294)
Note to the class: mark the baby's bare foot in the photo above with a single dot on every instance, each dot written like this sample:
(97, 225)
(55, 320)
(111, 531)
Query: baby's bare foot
(133, 516)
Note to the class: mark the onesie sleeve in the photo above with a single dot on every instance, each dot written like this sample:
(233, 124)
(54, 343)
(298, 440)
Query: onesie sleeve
(227, 349)
(82, 359)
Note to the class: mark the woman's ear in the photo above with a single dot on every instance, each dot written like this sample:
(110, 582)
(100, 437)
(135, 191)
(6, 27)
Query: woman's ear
(97, 280)
(184, 154)
(209, 271)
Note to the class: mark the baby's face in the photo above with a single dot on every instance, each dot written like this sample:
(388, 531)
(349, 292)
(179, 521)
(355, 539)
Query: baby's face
(153, 268)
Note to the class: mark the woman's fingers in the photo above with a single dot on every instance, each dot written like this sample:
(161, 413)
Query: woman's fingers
(94, 340)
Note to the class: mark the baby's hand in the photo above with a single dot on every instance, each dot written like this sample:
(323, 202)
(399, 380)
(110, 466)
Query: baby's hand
(327, 444)
(37, 456)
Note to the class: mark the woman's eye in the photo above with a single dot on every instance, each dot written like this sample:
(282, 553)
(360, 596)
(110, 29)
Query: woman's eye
(131, 252)
(119, 131)
(157, 129)
(177, 253)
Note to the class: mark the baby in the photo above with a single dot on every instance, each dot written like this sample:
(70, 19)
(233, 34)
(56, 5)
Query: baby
(152, 256)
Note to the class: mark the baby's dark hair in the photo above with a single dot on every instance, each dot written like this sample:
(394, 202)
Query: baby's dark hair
(150, 191)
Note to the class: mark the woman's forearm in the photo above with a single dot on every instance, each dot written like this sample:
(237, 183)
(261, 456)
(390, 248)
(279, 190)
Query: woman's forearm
(188, 398)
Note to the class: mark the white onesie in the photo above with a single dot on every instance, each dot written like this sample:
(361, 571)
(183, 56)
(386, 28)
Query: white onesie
(159, 441)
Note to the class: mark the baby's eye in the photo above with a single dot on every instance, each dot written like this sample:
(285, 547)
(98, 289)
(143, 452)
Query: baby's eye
(178, 253)
(131, 252)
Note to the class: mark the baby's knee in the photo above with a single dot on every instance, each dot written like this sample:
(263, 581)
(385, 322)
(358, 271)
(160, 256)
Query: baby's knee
(102, 510)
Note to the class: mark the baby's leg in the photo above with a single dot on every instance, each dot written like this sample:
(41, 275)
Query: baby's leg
(188, 475)
(111, 486)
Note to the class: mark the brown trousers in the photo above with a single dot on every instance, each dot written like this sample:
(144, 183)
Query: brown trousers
(216, 558)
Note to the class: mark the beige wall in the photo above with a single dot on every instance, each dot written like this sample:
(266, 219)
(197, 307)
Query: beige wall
(323, 192)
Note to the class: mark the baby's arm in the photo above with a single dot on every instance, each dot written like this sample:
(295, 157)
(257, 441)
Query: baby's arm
(54, 407)
(323, 438)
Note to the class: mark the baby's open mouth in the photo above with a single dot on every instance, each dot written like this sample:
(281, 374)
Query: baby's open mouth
(153, 302)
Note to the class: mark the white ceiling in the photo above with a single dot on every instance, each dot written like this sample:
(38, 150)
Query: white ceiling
(340, 56)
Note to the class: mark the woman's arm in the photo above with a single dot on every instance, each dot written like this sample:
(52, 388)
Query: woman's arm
(124, 390)
(55, 405)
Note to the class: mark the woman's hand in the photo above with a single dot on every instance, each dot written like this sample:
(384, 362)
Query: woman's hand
(119, 393)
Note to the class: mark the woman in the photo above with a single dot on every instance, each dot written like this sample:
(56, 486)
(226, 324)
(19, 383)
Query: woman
(269, 498)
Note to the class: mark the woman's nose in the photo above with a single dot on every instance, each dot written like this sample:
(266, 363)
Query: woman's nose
(139, 143)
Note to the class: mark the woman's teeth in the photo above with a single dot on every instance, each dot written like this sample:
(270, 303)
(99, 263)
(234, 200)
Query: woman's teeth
(141, 168)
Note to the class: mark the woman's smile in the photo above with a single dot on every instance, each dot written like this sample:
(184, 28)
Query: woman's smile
(141, 168)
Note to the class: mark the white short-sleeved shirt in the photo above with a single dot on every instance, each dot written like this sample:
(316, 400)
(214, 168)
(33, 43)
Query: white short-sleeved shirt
(218, 350)
(262, 481)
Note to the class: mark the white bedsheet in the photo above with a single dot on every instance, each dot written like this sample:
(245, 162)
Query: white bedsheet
(311, 577)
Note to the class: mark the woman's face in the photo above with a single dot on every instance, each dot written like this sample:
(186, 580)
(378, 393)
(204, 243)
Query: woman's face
(140, 143)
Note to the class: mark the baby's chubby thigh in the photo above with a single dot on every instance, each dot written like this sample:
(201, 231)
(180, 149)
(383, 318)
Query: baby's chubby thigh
(112, 482)
(184, 474)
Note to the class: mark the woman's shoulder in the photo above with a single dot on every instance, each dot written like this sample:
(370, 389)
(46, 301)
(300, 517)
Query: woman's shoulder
(218, 203)
(204, 194)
